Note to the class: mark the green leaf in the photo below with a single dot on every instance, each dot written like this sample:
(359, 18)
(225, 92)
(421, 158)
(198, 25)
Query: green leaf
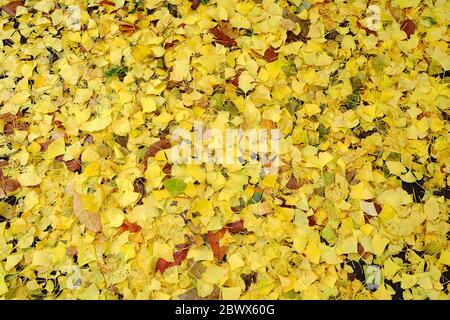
(328, 234)
(175, 186)
(120, 72)
(328, 177)
(217, 101)
(293, 105)
(257, 197)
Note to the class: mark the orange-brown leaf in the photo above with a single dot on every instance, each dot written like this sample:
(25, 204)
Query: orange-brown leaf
(214, 239)
(178, 257)
(11, 8)
(128, 226)
(222, 38)
(104, 3)
(10, 185)
(409, 27)
(236, 227)
(157, 146)
(270, 54)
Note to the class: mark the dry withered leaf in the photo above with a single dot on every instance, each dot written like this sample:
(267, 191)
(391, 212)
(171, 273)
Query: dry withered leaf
(236, 227)
(178, 257)
(161, 144)
(270, 54)
(11, 7)
(293, 183)
(128, 226)
(194, 4)
(222, 38)
(409, 27)
(214, 242)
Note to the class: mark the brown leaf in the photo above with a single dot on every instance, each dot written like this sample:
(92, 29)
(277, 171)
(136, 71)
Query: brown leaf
(222, 38)
(104, 3)
(10, 185)
(167, 169)
(154, 148)
(11, 8)
(122, 140)
(213, 239)
(235, 80)
(73, 165)
(270, 54)
(293, 183)
(194, 4)
(139, 186)
(249, 279)
(311, 221)
(236, 227)
(409, 27)
(8, 129)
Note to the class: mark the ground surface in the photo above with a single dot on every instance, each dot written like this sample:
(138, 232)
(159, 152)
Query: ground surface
(92, 206)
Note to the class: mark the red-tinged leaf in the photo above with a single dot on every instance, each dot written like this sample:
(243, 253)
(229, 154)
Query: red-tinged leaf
(127, 28)
(409, 27)
(293, 183)
(44, 145)
(58, 123)
(3, 163)
(236, 227)
(154, 148)
(172, 44)
(270, 54)
(104, 3)
(73, 165)
(8, 129)
(311, 221)
(162, 265)
(222, 38)
(378, 208)
(167, 168)
(10, 185)
(11, 8)
(213, 239)
(178, 257)
(235, 81)
(128, 226)
(194, 4)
